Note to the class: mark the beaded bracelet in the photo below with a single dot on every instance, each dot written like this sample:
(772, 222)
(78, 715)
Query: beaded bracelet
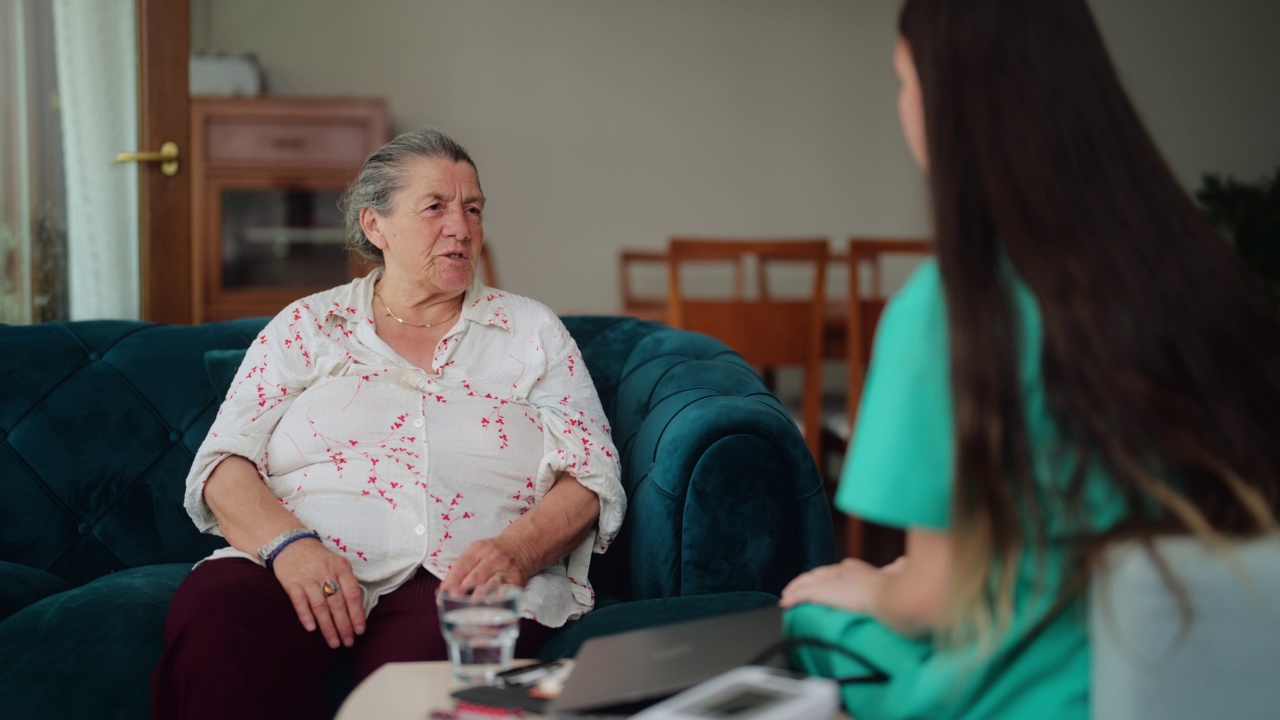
(271, 559)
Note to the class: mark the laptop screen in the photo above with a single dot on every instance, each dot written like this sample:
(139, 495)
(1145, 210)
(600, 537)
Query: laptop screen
(644, 666)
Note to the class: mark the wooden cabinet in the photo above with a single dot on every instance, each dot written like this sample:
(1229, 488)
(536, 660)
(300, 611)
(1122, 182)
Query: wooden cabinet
(266, 177)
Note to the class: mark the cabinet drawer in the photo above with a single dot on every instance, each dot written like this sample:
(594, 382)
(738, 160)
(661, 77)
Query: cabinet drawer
(255, 142)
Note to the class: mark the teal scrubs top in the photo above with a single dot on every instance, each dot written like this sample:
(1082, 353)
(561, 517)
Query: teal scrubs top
(899, 472)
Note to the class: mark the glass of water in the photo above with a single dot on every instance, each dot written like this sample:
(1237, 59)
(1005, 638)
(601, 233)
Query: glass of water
(480, 627)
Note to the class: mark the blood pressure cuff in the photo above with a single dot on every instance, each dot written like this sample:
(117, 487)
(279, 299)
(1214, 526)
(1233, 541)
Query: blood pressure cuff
(862, 655)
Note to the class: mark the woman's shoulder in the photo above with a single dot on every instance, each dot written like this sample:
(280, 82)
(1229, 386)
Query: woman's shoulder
(491, 306)
(314, 311)
(920, 302)
(923, 287)
(348, 300)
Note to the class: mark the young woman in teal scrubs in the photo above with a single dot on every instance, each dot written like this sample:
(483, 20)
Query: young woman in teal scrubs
(1086, 361)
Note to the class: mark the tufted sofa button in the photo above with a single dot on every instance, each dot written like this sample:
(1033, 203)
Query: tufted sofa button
(95, 355)
(175, 436)
(84, 528)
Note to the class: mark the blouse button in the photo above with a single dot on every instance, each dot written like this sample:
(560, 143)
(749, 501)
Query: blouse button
(417, 423)
(421, 529)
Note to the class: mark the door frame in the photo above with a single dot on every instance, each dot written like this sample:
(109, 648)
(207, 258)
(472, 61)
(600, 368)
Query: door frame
(164, 203)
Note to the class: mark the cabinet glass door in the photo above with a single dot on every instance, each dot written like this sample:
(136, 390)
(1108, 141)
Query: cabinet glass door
(278, 238)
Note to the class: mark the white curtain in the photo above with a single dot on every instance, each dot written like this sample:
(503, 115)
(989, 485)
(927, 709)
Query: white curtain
(97, 54)
(15, 171)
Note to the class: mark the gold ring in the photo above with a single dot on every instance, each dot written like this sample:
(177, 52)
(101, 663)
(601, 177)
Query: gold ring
(502, 579)
(330, 588)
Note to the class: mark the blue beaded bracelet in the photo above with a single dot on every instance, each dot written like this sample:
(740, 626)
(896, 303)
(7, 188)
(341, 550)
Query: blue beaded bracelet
(271, 559)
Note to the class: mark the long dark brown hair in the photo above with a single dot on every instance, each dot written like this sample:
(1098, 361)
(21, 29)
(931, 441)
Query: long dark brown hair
(1161, 353)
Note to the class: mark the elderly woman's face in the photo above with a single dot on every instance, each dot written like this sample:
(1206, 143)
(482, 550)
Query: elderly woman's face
(432, 236)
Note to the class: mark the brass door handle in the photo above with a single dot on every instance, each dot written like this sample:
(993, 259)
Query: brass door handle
(167, 157)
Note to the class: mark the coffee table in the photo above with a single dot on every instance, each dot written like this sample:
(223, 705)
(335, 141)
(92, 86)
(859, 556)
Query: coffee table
(404, 691)
(409, 691)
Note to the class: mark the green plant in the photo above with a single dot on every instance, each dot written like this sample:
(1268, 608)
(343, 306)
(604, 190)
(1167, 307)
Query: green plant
(1249, 215)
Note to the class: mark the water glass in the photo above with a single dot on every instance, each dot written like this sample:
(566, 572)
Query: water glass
(480, 627)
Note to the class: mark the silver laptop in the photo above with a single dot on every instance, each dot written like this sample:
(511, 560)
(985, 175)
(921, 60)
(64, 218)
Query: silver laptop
(632, 669)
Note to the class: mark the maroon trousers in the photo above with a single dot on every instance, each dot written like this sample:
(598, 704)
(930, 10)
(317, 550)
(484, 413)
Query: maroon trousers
(236, 649)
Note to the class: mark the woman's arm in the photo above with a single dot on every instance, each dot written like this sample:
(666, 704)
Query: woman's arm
(250, 517)
(580, 472)
(907, 595)
(549, 530)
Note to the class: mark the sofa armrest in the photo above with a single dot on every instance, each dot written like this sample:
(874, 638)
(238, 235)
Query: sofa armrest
(730, 503)
(723, 493)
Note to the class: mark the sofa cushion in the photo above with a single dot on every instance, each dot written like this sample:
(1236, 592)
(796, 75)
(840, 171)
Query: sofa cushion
(21, 586)
(221, 366)
(81, 501)
(622, 617)
(88, 652)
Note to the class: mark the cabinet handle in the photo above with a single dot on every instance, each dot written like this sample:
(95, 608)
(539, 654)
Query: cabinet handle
(167, 157)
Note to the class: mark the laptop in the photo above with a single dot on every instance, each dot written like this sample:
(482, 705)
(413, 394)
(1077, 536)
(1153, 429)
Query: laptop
(630, 670)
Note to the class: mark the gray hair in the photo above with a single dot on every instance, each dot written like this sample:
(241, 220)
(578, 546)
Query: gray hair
(383, 176)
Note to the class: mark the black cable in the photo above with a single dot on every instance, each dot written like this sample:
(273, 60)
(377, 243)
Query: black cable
(875, 675)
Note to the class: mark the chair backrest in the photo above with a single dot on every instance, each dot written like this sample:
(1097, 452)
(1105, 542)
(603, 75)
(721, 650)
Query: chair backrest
(636, 304)
(654, 306)
(768, 331)
(1150, 661)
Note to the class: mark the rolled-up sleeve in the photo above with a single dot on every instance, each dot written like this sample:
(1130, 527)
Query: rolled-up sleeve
(276, 367)
(577, 439)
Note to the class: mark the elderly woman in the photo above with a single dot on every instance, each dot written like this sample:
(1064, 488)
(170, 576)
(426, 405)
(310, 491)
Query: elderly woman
(408, 431)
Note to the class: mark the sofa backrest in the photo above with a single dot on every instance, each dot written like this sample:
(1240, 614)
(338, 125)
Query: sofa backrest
(99, 422)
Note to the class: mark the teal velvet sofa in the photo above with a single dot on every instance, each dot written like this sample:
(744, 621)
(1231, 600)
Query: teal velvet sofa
(99, 421)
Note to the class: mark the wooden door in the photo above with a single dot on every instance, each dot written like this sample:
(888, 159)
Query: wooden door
(164, 201)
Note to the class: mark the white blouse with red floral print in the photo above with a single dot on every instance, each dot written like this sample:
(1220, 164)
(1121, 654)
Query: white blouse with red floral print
(399, 468)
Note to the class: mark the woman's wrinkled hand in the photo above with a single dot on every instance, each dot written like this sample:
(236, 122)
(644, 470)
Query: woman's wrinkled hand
(851, 585)
(302, 569)
(496, 559)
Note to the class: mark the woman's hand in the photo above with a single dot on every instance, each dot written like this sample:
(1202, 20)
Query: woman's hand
(303, 567)
(496, 559)
(249, 516)
(545, 533)
(908, 595)
(851, 585)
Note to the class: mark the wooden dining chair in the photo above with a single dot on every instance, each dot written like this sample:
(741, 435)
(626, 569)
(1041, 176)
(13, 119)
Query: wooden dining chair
(769, 329)
(866, 302)
(635, 303)
(654, 307)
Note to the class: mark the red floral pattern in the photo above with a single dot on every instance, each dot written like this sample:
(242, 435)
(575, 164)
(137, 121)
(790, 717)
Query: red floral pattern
(399, 467)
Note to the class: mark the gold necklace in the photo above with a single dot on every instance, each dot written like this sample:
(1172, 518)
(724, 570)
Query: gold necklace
(395, 317)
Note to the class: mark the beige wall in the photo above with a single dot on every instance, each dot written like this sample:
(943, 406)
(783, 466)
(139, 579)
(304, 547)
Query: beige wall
(599, 124)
